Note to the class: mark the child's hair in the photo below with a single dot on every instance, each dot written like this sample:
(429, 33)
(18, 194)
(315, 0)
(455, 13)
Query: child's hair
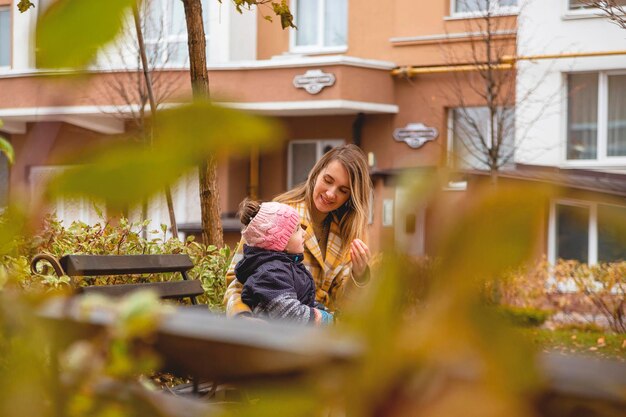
(248, 208)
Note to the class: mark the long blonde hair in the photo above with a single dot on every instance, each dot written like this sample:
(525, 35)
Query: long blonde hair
(354, 213)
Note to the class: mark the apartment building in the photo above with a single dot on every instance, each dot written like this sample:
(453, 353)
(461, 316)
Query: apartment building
(386, 75)
(573, 132)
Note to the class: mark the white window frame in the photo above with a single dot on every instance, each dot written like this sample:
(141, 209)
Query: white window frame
(602, 159)
(167, 38)
(592, 206)
(499, 10)
(319, 46)
(8, 9)
(321, 144)
(581, 11)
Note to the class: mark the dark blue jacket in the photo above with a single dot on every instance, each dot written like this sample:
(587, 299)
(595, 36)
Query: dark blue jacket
(278, 286)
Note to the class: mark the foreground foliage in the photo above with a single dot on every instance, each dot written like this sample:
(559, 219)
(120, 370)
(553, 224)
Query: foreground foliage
(569, 287)
(106, 238)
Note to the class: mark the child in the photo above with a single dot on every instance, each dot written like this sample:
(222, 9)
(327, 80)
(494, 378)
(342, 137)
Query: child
(276, 284)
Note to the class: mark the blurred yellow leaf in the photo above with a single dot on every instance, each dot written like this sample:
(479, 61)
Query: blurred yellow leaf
(126, 172)
(497, 231)
(7, 149)
(70, 31)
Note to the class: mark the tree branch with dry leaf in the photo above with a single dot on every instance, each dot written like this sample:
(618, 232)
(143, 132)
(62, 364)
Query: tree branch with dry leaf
(612, 9)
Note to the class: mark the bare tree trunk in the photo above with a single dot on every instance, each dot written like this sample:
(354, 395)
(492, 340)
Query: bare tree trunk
(153, 111)
(212, 232)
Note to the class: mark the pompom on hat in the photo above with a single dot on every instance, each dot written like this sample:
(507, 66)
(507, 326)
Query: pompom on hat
(272, 227)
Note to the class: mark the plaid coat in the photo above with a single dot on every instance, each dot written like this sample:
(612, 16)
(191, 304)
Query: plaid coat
(330, 273)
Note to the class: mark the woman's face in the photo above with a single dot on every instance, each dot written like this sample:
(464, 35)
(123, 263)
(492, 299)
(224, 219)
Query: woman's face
(332, 187)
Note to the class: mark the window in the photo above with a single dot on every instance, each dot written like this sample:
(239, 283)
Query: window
(596, 116)
(583, 4)
(471, 137)
(302, 155)
(587, 232)
(481, 6)
(67, 209)
(322, 25)
(5, 36)
(166, 31)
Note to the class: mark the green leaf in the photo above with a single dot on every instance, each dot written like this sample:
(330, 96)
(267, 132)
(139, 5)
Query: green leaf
(127, 173)
(7, 149)
(70, 31)
(24, 5)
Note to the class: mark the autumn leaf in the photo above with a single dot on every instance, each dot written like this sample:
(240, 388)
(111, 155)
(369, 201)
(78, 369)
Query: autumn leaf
(24, 5)
(286, 18)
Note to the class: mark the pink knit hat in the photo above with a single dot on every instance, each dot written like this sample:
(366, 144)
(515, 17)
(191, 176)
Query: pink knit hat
(272, 226)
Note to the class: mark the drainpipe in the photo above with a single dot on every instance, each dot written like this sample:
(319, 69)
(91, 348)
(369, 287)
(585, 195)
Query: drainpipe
(357, 129)
(253, 191)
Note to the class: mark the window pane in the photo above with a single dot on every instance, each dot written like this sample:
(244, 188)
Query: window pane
(572, 232)
(336, 22)
(177, 26)
(508, 3)
(470, 125)
(470, 5)
(155, 52)
(582, 116)
(177, 53)
(616, 145)
(505, 121)
(306, 21)
(205, 16)
(303, 157)
(611, 233)
(155, 21)
(583, 4)
(5, 37)
(578, 4)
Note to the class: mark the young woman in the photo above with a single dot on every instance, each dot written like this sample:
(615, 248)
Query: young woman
(333, 205)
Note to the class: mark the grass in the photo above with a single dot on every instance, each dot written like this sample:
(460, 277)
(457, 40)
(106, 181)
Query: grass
(575, 341)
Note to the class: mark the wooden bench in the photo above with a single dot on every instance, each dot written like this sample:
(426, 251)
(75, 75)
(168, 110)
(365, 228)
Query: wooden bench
(76, 266)
(211, 347)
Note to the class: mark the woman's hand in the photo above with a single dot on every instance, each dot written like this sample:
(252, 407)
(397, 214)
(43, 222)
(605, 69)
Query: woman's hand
(360, 256)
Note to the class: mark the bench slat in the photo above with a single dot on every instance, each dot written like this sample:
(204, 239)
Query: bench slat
(94, 265)
(172, 289)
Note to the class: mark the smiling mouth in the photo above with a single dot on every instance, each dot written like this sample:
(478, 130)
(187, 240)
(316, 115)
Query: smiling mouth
(326, 202)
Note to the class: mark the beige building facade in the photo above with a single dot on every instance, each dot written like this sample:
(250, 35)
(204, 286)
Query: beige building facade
(385, 75)
(329, 83)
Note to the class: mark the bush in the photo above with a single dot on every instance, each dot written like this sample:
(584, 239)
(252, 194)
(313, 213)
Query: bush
(602, 285)
(106, 238)
(524, 317)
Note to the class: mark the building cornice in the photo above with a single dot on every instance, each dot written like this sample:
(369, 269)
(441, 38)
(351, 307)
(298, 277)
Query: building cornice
(276, 108)
(449, 37)
(288, 61)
